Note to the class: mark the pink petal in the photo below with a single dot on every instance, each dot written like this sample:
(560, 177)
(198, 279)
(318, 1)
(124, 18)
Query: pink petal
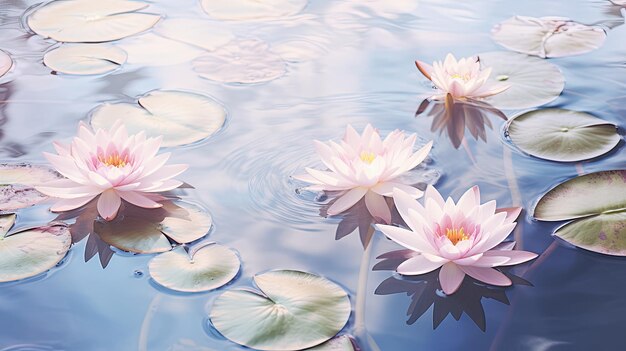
(386, 189)
(138, 199)
(407, 238)
(506, 245)
(307, 178)
(410, 210)
(511, 213)
(108, 204)
(469, 200)
(418, 265)
(450, 278)
(432, 193)
(491, 261)
(424, 68)
(70, 204)
(514, 256)
(347, 200)
(377, 206)
(67, 189)
(487, 275)
(329, 178)
(456, 89)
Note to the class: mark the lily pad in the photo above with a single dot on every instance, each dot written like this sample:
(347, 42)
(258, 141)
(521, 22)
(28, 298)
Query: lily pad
(597, 204)
(340, 343)
(210, 267)
(31, 252)
(137, 232)
(252, 9)
(547, 36)
(292, 311)
(180, 117)
(17, 185)
(198, 33)
(562, 135)
(5, 63)
(241, 61)
(85, 59)
(149, 49)
(534, 82)
(89, 21)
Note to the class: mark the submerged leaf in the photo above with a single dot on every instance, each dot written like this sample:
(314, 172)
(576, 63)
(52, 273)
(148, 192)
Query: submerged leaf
(5, 63)
(251, 9)
(547, 36)
(597, 203)
(562, 135)
(533, 81)
(85, 59)
(294, 310)
(180, 117)
(17, 185)
(241, 61)
(211, 267)
(90, 21)
(31, 252)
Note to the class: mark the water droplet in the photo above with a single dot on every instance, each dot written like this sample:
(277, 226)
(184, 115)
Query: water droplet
(502, 77)
(138, 273)
(564, 130)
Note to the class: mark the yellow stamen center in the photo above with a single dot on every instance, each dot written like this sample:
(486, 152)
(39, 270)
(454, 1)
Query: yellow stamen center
(464, 78)
(368, 157)
(456, 235)
(114, 160)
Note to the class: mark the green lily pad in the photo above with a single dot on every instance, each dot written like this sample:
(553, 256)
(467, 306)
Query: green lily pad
(292, 311)
(241, 61)
(597, 204)
(604, 233)
(562, 135)
(208, 268)
(533, 81)
(340, 343)
(30, 252)
(584, 196)
(89, 21)
(5, 63)
(17, 185)
(85, 59)
(252, 9)
(180, 117)
(547, 36)
(139, 233)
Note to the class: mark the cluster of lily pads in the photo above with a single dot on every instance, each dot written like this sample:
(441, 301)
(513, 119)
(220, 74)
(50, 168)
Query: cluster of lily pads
(121, 196)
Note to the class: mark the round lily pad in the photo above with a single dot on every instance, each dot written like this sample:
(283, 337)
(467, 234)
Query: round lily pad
(597, 204)
(547, 36)
(5, 63)
(562, 135)
(147, 230)
(31, 252)
(199, 33)
(533, 81)
(84, 59)
(292, 311)
(209, 268)
(91, 21)
(241, 61)
(17, 185)
(180, 117)
(252, 9)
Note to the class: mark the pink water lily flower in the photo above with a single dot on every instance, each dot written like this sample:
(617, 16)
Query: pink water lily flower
(463, 79)
(461, 238)
(366, 166)
(113, 165)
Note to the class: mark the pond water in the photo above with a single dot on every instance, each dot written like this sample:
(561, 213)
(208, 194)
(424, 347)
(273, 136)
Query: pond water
(346, 62)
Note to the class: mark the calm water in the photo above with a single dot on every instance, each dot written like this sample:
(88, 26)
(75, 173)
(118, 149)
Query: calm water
(348, 62)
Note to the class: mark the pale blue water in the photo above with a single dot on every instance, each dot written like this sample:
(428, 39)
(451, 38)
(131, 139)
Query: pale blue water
(357, 68)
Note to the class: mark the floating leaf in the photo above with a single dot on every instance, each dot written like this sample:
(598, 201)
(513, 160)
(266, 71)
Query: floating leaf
(211, 267)
(199, 33)
(180, 117)
(91, 21)
(562, 135)
(84, 59)
(31, 252)
(597, 203)
(5, 63)
(533, 81)
(148, 230)
(547, 36)
(241, 61)
(150, 49)
(17, 185)
(340, 343)
(294, 310)
(251, 9)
